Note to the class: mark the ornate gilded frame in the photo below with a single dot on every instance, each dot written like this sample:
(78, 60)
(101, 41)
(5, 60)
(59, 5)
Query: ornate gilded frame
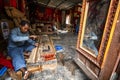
(106, 34)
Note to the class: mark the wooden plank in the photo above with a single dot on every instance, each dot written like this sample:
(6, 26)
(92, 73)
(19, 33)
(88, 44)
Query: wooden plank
(32, 57)
(19, 75)
(43, 57)
(34, 68)
(50, 65)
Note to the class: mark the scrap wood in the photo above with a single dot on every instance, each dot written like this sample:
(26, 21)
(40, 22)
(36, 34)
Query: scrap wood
(34, 68)
(14, 13)
(8, 11)
(19, 75)
(32, 57)
(38, 52)
(38, 55)
(34, 54)
(51, 66)
(40, 58)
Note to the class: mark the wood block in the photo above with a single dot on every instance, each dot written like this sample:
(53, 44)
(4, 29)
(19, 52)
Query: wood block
(19, 75)
(17, 13)
(32, 58)
(34, 68)
(49, 66)
(24, 18)
(16, 22)
(19, 20)
(8, 11)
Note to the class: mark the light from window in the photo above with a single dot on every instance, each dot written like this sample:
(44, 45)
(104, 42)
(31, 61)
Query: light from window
(68, 19)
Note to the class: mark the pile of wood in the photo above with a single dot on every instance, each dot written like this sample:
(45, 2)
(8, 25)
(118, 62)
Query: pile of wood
(15, 14)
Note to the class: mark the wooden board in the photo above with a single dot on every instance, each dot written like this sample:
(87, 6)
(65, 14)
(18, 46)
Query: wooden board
(43, 56)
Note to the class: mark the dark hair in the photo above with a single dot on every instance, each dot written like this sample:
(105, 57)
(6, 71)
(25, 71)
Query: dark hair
(24, 22)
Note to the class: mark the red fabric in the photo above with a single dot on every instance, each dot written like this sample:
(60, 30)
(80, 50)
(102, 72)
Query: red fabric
(1, 4)
(10, 3)
(13, 3)
(21, 5)
(57, 15)
(48, 14)
(5, 62)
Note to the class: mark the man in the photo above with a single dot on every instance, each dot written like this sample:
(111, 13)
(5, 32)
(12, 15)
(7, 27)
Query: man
(19, 42)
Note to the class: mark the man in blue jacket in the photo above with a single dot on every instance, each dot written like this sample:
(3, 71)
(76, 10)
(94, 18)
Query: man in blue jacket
(19, 42)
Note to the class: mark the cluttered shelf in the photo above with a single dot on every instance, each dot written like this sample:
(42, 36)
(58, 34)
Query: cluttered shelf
(43, 27)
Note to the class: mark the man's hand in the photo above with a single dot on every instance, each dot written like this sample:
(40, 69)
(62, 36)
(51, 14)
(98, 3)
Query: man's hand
(36, 44)
(33, 36)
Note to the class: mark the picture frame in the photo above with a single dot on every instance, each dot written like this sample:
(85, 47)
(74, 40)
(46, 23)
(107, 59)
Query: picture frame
(96, 18)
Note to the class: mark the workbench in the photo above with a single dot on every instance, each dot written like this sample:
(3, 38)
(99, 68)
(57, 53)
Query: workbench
(44, 56)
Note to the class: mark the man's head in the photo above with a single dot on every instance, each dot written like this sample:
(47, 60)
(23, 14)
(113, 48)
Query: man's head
(24, 26)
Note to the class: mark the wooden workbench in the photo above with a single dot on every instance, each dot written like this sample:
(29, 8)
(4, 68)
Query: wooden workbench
(44, 56)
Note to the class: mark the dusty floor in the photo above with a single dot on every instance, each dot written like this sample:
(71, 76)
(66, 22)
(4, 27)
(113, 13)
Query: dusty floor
(66, 68)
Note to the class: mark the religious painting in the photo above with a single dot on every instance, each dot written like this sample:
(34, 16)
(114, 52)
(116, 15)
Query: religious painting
(5, 29)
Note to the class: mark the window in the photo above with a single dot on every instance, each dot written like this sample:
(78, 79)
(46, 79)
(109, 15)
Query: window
(68, 19)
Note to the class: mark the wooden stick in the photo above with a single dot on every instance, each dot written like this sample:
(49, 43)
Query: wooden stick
(32, 56)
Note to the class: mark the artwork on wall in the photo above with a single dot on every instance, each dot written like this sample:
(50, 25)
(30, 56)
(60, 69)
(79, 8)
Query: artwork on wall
(5, 29)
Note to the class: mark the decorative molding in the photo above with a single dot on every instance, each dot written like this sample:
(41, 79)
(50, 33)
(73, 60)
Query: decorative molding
(105, 38)
(108, 27)
(86, 69)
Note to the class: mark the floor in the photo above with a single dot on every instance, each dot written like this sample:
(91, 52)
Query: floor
(66, 68)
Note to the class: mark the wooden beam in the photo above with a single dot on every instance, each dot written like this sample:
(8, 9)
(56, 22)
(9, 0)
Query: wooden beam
(60, 3)
(48, 2)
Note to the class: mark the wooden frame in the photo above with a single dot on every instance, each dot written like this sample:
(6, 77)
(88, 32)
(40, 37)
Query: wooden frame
(104, 45)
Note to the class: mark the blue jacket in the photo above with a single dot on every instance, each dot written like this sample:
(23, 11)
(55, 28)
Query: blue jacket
(17, 38)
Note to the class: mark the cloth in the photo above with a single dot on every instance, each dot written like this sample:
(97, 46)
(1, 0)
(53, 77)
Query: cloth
(59, 31)
(76, 28)
(3, 70)
(17, 56)
(5, 62)
(18, 43)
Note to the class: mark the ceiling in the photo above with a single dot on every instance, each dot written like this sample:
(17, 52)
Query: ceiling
(60, 4)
